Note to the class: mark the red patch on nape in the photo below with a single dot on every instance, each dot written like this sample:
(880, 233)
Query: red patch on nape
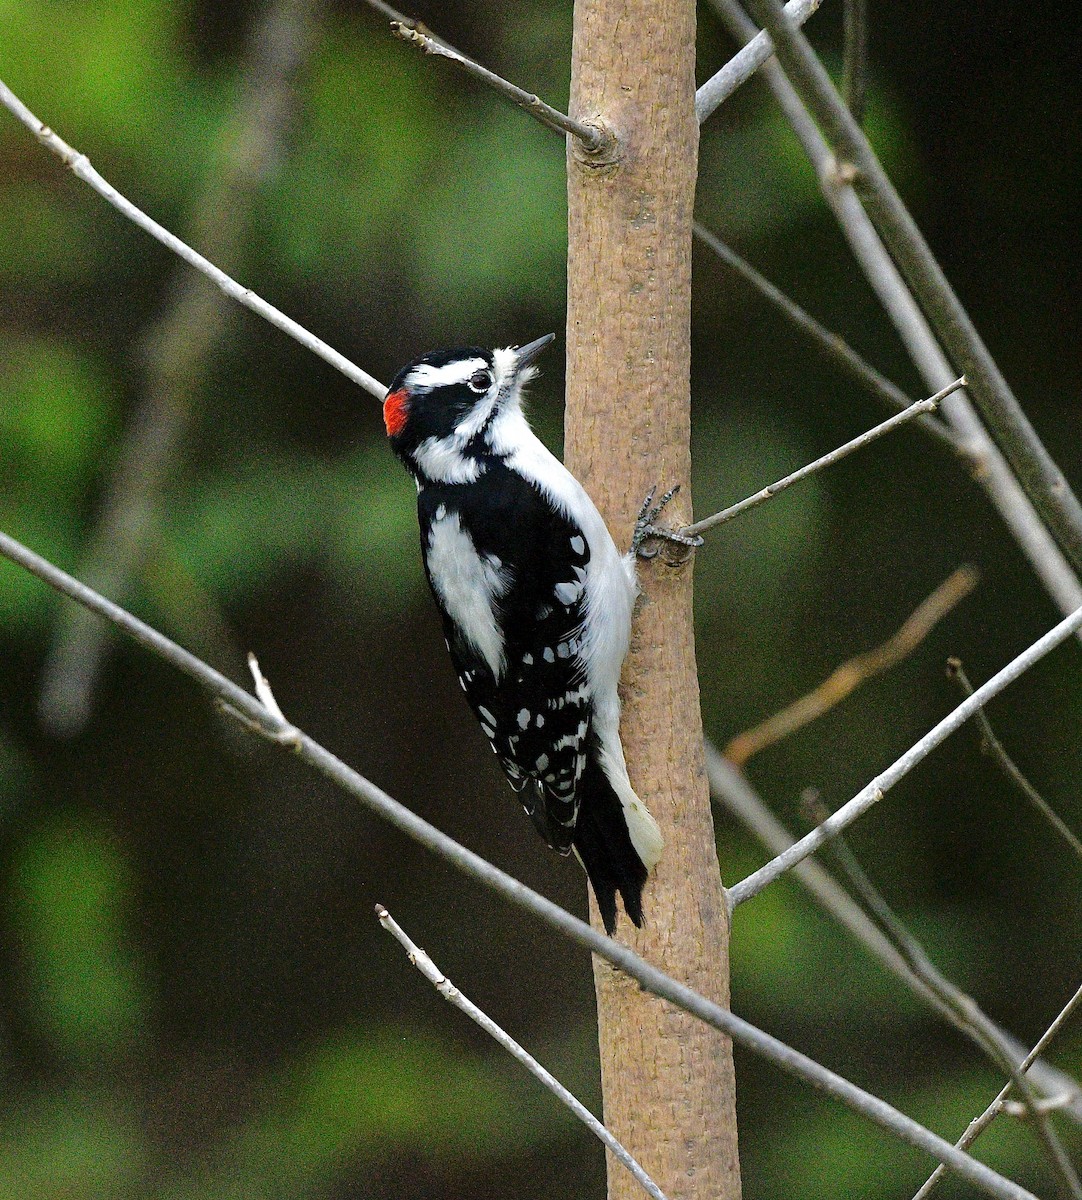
(396, 412)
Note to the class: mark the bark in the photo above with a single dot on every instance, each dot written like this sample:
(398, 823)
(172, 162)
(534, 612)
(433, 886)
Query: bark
(668, 1082)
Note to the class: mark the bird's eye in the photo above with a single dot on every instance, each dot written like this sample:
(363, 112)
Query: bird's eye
(480, 381)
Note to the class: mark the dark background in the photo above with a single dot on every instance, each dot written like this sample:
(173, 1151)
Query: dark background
(197, 1001)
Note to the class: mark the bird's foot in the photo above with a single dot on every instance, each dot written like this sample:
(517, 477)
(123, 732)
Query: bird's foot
(645, 529)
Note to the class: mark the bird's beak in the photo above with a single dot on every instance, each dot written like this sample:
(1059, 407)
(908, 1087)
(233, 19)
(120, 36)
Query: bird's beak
(525, 355)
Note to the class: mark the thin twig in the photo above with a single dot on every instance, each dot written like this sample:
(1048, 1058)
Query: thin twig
(192, 326)
(979, 1124)
(855, 671)
(968, 1015)
(916, 409)
(261, 720)
(882, 783)
(1042, 479)
(593, 138)
(731, 790)
(421, 960)
(994, 747)
(81, 168)
(989, 467)
(830, 344)
(743, 65)
(855, 57)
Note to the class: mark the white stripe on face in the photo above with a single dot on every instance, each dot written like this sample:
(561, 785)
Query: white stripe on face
(425, 376)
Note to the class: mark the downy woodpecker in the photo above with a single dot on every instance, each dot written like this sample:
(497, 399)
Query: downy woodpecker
(536, 604)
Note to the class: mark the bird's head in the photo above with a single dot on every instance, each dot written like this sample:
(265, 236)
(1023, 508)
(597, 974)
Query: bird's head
(443, 410)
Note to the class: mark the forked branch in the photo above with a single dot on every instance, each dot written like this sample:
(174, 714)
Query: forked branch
(828, 343)
(995, 748)
(743, 65)
(873, 792)
(733, 792)
(980, 1124)
(988, 465)
(966, 1013)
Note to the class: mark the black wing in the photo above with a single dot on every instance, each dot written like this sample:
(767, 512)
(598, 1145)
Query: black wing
(536, 711)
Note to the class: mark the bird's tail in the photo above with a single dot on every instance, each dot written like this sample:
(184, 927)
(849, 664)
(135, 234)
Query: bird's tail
(616, 838)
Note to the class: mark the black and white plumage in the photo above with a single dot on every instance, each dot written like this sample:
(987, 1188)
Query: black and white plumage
(536, 604)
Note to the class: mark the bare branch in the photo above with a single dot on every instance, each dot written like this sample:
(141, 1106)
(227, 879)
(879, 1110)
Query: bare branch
(732, 790)
(855, 57)
(977, 1126)
(966, 1013)
(827, 460)
(855, 671)
(830, 344)
(990, 469)
(261, 720)
(81, 168)
(994, 747)
(882, 783)
(593, 138)
(449, 992)
(1042, 480)
(743, 65)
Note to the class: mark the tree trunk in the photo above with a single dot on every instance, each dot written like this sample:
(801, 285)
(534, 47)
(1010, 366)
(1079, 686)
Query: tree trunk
(668, 1081)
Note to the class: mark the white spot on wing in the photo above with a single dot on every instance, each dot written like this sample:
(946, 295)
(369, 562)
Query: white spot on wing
(578, 545)
(523, 719)
(568, 593)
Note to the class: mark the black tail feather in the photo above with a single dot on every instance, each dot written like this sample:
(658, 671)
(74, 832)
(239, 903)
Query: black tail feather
(604, 847)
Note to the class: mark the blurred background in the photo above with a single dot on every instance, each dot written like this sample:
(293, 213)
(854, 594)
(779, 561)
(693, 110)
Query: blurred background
(196, 999)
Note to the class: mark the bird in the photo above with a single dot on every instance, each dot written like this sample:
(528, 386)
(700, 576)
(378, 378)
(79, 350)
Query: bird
(536, 603)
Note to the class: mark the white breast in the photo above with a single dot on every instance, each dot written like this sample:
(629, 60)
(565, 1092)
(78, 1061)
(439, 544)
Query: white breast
(468, 584)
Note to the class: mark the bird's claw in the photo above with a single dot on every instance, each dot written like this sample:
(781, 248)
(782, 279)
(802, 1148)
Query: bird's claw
(645, 528)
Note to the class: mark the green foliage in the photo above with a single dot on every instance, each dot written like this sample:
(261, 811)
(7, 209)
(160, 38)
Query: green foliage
(367, 1098)
(54, 423)
(82, 1144)
(71, 899)
(496, 231)
(365, 144)
(113, 77)
(352, 516)
(45, 241)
